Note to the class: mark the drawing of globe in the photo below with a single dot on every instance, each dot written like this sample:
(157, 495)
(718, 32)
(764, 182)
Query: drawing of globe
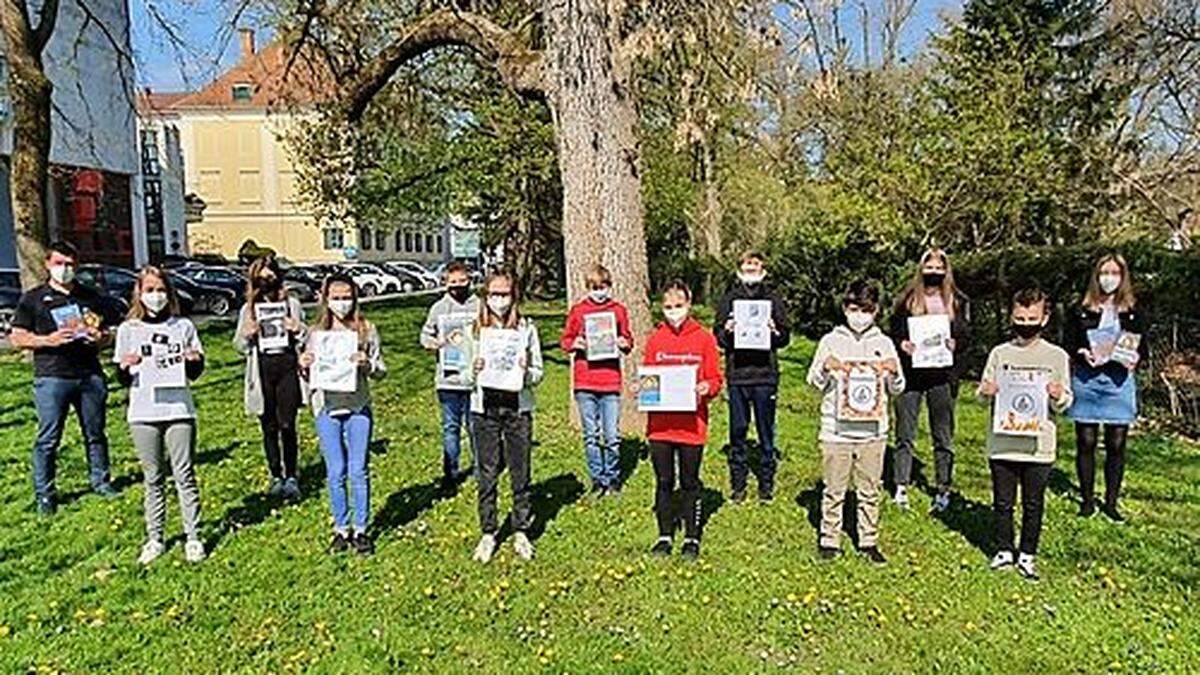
(1023, 403)
(861, 394)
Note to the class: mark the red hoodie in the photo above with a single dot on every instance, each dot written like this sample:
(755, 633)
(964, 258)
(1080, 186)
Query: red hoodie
(602, 377)
(692, 343)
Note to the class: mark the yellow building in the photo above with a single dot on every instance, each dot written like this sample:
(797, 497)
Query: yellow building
(231, 134)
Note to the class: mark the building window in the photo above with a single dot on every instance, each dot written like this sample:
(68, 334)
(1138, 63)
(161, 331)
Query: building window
(429, 243)
(381, 240)
(150, 153)
(242, 92)
(334, 238)
(408, 246)
(417, 242)
(439, 243)
(364, 238)
(399, 241)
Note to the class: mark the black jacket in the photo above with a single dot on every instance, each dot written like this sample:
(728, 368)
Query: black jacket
(921, 379)
(1082, 319)
(751, 366)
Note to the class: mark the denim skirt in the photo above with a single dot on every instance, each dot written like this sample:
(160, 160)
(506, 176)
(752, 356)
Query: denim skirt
(1103, 396)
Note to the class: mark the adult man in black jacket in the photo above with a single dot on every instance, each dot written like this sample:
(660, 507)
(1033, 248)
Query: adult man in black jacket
(753, 376)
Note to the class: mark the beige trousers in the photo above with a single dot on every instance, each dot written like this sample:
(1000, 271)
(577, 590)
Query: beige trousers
(843, 462)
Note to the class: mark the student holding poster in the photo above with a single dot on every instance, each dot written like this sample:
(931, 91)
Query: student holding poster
(1103, 378)
(272, 390)
(751, 326)
(1018, 454)
(343, 413)
(161, 414)
(446, 332)
(596, 335)
(931, 326)
(856, 368)
(505, 347)
(678, 438)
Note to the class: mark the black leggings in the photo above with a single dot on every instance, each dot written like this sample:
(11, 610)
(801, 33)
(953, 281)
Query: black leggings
(663, 456)
(1086, 439)
(281, 399)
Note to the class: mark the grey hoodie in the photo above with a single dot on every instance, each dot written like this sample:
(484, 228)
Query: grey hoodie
(446, 306)
(845, 345)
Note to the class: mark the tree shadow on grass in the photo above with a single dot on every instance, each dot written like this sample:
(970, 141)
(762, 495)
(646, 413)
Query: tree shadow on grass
(256, 508)
(548, 497)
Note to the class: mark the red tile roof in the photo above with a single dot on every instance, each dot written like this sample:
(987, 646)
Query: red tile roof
(273, 83)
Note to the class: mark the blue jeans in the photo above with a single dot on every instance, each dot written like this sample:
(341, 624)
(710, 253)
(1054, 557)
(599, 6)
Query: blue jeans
(600, 414)
(53, 396)
(743, 399)
(345, 440)
(456, 413)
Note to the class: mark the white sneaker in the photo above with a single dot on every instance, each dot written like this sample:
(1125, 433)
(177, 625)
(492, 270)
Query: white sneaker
(486, 548)
(1002, 560)
(941, 502)
(523, 546)
(901, 498)
(1026, 567)
(193, 551)
(150, 551)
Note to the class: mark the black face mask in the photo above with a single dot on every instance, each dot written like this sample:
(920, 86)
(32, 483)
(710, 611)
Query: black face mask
(933, 278)
(1027, 331)
(270, 286)
(459, 293)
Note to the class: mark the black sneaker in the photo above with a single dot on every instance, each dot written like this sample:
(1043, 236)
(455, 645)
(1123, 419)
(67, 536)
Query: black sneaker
(873, 554)
(662, 547)
(1087, 509)
(827, 552)
(47, 507)
(597, 490)
(766, 495)
(106, 490)
(613, 490)
(738, 496)
(1114, 515)
(363, 544)
(690, 549)
(340, 543)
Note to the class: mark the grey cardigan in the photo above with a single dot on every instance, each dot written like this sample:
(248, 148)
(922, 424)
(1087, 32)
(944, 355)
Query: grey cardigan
(252, 393)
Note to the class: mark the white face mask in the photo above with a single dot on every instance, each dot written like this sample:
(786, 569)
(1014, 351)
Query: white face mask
(859, 321)
(63, 274)
(154, 301)
(676, 315)
(499, 304)
(1110, 282)
(751, 279)
(341, 308)
(600, 295)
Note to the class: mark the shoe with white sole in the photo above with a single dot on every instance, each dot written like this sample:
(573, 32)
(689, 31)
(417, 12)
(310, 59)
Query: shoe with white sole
(1026, 567)
(941, 502)
(193, 551)
(486, 548)
(1002, 561)
(151, 550)
(523, 546)
(901, 497)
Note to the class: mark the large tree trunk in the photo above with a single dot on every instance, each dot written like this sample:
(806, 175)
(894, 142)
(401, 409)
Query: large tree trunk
(595, 124)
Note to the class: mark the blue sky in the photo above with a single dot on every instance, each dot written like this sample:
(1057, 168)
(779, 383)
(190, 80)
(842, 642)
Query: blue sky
(203, 36)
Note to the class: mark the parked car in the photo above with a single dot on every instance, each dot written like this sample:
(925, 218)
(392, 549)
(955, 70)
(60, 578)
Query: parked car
(116, 284)
(211, 299)
(306, 276)
(372, 280)
(221, 277)
(439, 271)
(407, 268)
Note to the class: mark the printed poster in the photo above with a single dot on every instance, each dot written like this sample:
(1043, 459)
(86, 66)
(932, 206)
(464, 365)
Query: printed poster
(272, 335)
(335, 360)
(931, 335)
(162, 352)
(1102, 342)
(1022, 402)
(71, 317)
(1125, 351)
(751, 324)
(667, 388)
(860, 393)
(452, 332)
(600, 333)
(501, 350)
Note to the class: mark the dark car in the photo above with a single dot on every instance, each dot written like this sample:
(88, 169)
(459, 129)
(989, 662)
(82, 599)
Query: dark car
(211, 299)
(221, 277)
(116, 284)
(304, 275)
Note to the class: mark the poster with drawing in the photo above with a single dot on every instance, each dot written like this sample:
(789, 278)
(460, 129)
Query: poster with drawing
(162, 352)
(503, 354)
(752, 324)
(860, 395)
(667, 388)
(931, 336)
(71, 317)
(272, 335)
(335, 360)
(1022, 402)
(600, 334)
(1125, 351)
(452, 333)
(1102, 342)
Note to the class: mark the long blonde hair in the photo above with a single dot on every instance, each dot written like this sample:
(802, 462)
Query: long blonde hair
(137, 311)
(913, 297)
(483, 316)
(1123, 297)
(355, 318)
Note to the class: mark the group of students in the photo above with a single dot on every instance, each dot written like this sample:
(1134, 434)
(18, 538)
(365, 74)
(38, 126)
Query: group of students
(63, 324)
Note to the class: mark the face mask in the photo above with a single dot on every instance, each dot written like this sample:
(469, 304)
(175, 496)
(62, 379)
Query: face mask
(269, 284)
(63, 274)
(459, 293)
(341, 308)
(1027, 331)
(600, 295)
(859, 321)
(154, 301)
(1110, 282)
(933, 278)
(499, 304)
(676, 315)
(751, 279)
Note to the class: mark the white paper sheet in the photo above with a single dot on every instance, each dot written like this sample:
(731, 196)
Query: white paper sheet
(161, 349)
(1022, 403)
(751, 324)
(335, 366)
(930, 334)
(600, 333)
(667, 388)
(272, 335)
(502, 351)
(860, 393)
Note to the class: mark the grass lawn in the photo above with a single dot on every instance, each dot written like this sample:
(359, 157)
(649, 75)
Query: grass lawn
(73, 599)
